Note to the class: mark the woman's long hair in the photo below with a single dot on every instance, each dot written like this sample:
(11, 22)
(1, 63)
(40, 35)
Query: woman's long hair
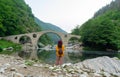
(59, 44)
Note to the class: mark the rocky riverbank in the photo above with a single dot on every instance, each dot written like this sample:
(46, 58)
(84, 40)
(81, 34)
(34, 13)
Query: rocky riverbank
(98, 67)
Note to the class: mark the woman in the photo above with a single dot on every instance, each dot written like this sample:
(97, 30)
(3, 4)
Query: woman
(59, 53)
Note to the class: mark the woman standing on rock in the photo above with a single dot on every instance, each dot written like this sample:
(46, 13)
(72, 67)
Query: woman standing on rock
(59, 53)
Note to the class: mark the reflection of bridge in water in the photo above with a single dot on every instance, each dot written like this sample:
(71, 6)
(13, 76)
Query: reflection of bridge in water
(34, 38)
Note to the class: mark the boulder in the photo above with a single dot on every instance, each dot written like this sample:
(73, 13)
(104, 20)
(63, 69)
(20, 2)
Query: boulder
(100, 64)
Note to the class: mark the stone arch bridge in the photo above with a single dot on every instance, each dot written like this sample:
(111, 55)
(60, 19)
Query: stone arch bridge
(34, 38)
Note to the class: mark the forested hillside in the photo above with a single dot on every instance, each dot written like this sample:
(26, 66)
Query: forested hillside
(114, 5)
(102, 32)
(16, 18)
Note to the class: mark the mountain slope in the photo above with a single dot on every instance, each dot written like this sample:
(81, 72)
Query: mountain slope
(16, 18)
(102, 32)
(48, 26)
(114, 5)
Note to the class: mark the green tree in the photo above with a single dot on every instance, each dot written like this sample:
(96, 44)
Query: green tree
(16, 17)
(103, 31)
(76, 30)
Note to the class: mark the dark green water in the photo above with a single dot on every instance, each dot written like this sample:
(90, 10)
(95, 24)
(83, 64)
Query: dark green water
(72, 56)
(47, 56)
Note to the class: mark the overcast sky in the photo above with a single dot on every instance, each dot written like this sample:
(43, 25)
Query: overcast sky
(66, 14)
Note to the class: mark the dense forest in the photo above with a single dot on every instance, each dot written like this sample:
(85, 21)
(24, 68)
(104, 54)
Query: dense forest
(102, 32)
(16, 18)
(114, 5)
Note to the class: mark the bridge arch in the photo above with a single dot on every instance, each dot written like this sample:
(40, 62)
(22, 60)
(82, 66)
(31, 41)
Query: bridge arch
(73, 39)
(39, 34)
(53, 41)
(24, 39)
(48, 34)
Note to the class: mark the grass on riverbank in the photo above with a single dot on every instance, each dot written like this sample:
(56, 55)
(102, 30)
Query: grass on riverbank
(4, 44)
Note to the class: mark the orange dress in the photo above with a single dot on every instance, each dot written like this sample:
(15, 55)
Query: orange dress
(57, 49)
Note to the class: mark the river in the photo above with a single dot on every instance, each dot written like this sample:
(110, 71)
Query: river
(49, 56)
(71, 56)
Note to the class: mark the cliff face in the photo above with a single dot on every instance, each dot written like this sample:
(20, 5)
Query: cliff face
(101, 64)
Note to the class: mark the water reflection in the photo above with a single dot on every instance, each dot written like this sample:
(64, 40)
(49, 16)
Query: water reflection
(49, 56)
(73, 56)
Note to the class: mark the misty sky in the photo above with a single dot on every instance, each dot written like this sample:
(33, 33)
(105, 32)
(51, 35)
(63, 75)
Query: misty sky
(66, 14)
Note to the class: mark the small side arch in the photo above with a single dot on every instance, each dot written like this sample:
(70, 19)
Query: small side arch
(25, 39)
(73, 39)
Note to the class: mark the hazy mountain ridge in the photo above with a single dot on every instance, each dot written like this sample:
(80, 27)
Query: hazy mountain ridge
(48, 26)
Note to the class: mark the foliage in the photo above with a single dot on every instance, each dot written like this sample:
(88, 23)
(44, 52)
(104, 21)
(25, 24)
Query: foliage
(118, 55)
(29, 62)
(45, 39)
(102, 32)
(6, 44)
(16, 18)
(114, 5)
(76, 31)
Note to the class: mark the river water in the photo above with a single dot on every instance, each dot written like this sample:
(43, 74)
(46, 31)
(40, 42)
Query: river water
(49, 56)
(71, 56)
